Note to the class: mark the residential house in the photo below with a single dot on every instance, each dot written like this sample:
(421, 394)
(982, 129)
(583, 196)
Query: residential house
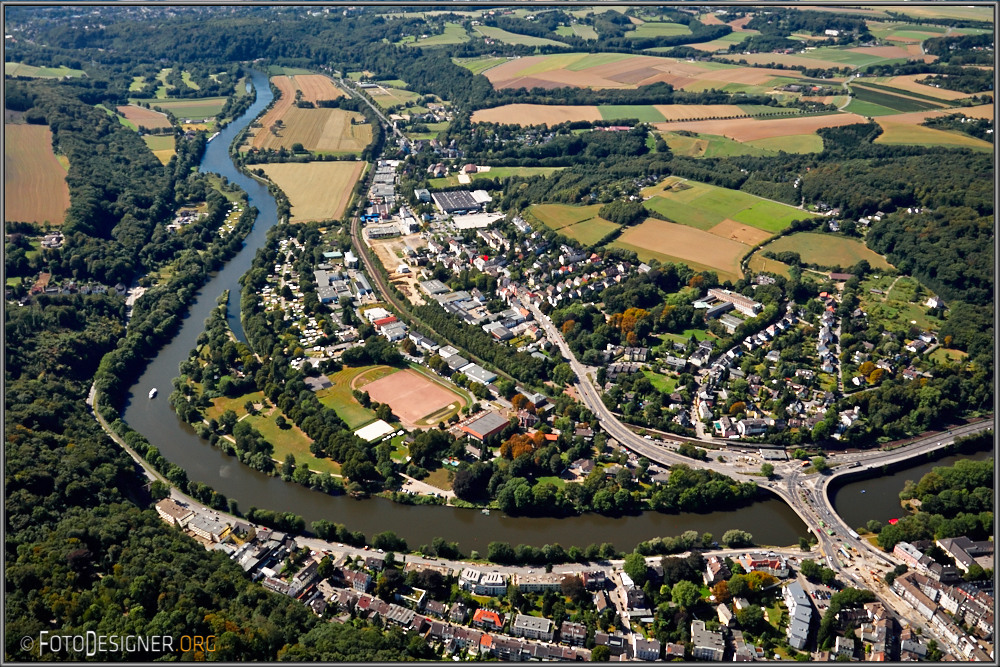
(532, 627)
(488, 620)
(706, 645)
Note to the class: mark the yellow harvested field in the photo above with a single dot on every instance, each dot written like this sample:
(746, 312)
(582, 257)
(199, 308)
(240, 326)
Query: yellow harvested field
(736, 231)
(685, 243)
(909, 82)
(316, 190)
(35, 188)
(749, 129)
(910, 133)
(315, 87)
(322, 130)
(693, 111)
(142, 117)
(787, 59)
(535, 114)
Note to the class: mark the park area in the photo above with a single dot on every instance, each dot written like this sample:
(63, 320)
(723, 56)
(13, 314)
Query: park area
(680, 244)
(316, 190)
(416, 399)
(35, 188)
(705, 207)
(827, 250)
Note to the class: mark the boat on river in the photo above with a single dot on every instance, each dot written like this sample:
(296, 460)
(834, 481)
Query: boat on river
(152, 392)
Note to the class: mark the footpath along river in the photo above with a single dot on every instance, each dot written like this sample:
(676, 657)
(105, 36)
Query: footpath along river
(770, 521)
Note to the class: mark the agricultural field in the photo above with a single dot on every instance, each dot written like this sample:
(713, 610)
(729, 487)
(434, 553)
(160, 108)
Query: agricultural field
(20, 69)
(557, 216)
(141, 117)
(195, 109)
(795, 143)
(478, 65)
(710, 145)
(868, 109)
(589, 232)
(618, 70)
(910, 82)
(658, 29)
(750, 129)
(895, 102)
(721, 44)
(704, 206)
(506, 37)
(760, 263)
(670, 242)
(908, 132)
(316, 190)
(319, 130)
(414, 397)
(388, 97)
(453, 33)
(536, 114)
(827, 250)
(491, 172)
(433, 130)
(34, 180)
(162, 146)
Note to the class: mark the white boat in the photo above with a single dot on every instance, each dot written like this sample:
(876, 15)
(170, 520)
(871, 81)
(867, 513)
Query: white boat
(212, 137)
(152, 392)
(486, 511)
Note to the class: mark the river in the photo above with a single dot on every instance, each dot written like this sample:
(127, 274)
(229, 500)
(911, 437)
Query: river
(878, 498)
(770, 521)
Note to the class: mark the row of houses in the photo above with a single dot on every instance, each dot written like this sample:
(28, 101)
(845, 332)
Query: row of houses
(944, 605)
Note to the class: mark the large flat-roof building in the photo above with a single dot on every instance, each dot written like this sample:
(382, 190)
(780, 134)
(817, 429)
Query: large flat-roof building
(485, 425)
(457, 201)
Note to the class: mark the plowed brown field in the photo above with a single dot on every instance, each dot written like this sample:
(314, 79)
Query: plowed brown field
(143, 117)
(735, 231)
(748, 129)
(35, 188)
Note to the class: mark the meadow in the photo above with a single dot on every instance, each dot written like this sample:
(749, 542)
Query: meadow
(557, 216)
(589, 232)
(316, 190)
(453, 33)
(480, 64)
(196, 109)
(35, 188)
(162, 146)
(827, 250)
(704, 206)
(506, 37)
(20, 69)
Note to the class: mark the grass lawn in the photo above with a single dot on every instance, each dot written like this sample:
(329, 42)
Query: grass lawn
(205, 107)
(944, 355)
(685, 336)
(590, 231)
(554, 480)
(662, 383)
(643, 112)
(399, 450)
(557, 216)
(828, 250)
(774, 613)
(340, 399)
(291, 441)
(220, 405)
(440, 478)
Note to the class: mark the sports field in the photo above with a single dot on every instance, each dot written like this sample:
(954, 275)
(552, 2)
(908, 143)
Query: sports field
(557, 216)
(20, 69)
(142, 117)
(35, 188)
(414, 398)
(669, 242)
(704, 206)
(195, 109)
(827, 250)
(316, 190)
(618, 70)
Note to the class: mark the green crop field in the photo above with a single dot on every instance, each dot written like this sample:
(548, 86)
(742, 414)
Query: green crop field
(840, 55)
(827, 250)
(920, 135)
(478, 65)
(657, 29)
(643, 112)
(557, 216)
(590, 231)
(501, 35)
(796, 143)
(936, 101)
(710, 145)
(195, 109)
(702, 206)
(20, 69)
(591, 60)
(889, 101)
(868, 109)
